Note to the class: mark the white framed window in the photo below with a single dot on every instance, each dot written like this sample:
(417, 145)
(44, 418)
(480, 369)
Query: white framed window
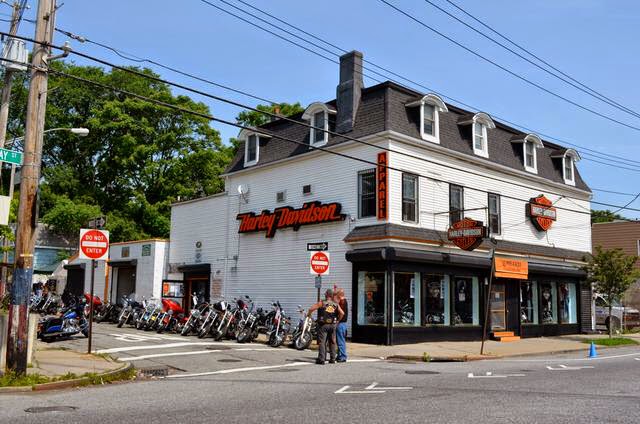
(320, 124)
(567, 170)
(430, 108)
(409, 197)
(495, 221)
(318, 116)
(480, 147)
(251, 150)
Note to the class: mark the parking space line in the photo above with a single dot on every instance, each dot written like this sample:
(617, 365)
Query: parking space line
(160, 346)
(162, 355)
(235, 370)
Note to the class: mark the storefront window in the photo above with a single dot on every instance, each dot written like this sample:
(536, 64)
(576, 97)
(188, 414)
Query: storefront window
(406, 298)
(465, 301)
(529, 302)
(371, 298)
(568, 303)
(437, 310)
(548, 306)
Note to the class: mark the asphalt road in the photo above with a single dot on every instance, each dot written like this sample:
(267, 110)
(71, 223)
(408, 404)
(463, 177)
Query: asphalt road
(554, 389)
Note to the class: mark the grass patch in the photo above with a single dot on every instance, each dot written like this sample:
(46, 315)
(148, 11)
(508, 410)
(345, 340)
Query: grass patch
(10, 379)
(615, 341)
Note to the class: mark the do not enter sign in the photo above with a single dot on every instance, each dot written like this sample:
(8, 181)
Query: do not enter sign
(94, 244)
(319, 263)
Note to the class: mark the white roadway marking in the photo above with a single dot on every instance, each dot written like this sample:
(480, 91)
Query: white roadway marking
(374, 385)
(491, 375)
(141, 338)
(566, 368)
(344, 391)
(159, 346)
(599, 358)
(193, 352)
(267, 367)
(637, 359)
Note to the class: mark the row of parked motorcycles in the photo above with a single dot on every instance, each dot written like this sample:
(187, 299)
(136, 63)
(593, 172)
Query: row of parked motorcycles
(237, 320)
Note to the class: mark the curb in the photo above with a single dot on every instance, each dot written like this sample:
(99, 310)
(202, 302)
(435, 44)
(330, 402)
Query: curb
(66, 384)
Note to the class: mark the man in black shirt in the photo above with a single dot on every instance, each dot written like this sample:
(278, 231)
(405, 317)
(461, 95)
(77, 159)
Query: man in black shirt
(341, 331)
(329, 313)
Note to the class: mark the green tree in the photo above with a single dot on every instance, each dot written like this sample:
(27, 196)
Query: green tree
(137, 159)
(604, 216)
(612, 272)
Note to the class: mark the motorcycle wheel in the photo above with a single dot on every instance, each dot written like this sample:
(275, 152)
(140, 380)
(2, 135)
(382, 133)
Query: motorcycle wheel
(85, 333)
(204, 331)
(139, 325)
(121, 322)
(243, 335)
(276, 340)
(185, 330)
(217, 335)
(303, 341)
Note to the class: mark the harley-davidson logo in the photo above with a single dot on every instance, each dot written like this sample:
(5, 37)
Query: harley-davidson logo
(541, 212)
(467, 234)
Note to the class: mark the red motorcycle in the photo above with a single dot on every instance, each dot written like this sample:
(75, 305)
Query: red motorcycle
(98, 306)
(171, 315)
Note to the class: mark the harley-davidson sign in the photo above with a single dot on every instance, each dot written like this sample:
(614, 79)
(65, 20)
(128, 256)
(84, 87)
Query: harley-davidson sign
(287, 217)
(541, 212)
(467, 234)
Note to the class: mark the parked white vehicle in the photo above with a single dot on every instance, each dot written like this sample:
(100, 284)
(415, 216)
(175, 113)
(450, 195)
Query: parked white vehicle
(620, 315)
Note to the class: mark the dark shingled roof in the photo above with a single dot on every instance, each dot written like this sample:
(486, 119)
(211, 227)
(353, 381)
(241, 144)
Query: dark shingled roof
(386, 231)
(384, 107)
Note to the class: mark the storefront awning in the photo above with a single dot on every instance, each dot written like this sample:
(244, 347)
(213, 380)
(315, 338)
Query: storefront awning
(559, 270)
(75, 266)
(123, 263)
(409, 255)
(195, 268)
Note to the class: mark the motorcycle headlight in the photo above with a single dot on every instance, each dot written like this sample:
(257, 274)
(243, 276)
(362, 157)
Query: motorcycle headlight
(170, 312)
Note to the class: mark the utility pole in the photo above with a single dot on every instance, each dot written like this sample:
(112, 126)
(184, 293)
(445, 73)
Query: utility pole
(27, 219)
(5, 97)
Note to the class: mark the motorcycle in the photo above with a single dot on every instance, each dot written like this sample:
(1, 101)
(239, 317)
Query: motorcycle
(131, 310)
(194, 317)
(220, 326)
(173, 313)
(305, 331)
(243, 308)
(254, 323)
(71, 322)
(98, 306)
(206, 321)
(405, 313)
(145, 316)
(278, 326)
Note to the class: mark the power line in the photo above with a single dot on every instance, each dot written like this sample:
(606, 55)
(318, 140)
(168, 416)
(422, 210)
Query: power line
(590, 92)
(628, 203)
(507, 70)
(529, 52)
(270, 134)
(515, 125)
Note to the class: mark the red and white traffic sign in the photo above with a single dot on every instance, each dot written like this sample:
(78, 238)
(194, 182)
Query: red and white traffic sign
(319, 263)
(94, 244)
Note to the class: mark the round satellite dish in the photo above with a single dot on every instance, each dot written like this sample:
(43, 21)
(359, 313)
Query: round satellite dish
(243, 189)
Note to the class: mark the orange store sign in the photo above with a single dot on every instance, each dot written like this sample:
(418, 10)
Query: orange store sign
(511, 268)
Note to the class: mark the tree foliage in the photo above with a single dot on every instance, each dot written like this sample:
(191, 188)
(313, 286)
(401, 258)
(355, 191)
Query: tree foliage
(604, 216)
(612, 272)
(137, 159)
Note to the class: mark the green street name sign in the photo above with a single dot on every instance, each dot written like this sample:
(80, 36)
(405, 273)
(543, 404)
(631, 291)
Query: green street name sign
(10, 156)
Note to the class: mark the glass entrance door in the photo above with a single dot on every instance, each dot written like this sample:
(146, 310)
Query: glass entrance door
(497, 307)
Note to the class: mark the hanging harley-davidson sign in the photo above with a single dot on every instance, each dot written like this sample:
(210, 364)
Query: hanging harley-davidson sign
(287, 217)
(467, 234)
(541, 212)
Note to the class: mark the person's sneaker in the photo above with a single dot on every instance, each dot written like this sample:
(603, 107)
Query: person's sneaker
(332, 361)
(319, 362)
(342, 360)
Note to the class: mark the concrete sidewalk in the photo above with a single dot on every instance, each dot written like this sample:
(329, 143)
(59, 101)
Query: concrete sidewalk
(51, 361)
(467, 351)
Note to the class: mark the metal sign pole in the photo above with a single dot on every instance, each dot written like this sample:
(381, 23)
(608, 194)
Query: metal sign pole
(486, 315)
(93, 275)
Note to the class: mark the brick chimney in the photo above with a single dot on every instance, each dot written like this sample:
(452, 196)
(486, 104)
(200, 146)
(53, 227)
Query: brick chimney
(349, 91)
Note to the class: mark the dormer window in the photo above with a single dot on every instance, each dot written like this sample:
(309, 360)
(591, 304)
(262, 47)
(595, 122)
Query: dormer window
(479, 122)
(530, 145)
(430, 108)
(480, 139)
(318, 116)
(569, 158)
(251, 146)
(251, 150)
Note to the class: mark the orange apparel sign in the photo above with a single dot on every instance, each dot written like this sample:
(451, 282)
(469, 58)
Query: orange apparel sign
(382, 180)
(511, 268)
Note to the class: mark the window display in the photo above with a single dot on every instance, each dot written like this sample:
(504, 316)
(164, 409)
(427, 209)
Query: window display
(548, 305)
(528, 302)
(465, 301)
(371, 298)
(437, 303)
(406, 297)
(568, 303)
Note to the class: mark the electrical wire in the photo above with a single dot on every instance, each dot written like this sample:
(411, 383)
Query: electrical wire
(561, 78)
(529, 52)
(510, 72)
(515, 125)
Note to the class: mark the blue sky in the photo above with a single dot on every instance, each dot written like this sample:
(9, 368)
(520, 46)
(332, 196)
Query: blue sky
(591, 40)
